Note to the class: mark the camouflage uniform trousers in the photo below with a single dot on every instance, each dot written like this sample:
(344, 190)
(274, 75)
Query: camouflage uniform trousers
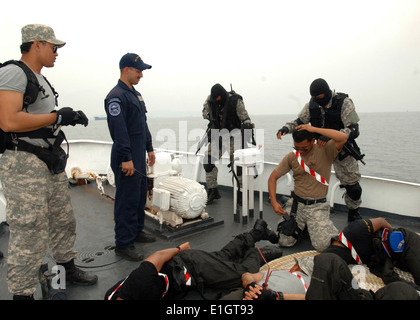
(317, 218)
(347, 171)
(40, 216)
(231, 146)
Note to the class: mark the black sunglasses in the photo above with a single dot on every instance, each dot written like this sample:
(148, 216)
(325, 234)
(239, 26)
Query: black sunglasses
(300, 149)
(54, 49)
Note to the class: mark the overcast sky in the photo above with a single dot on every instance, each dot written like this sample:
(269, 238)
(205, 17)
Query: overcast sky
(269, 50)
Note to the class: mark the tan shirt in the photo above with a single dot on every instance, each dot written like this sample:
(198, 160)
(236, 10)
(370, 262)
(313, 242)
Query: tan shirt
(319, 160)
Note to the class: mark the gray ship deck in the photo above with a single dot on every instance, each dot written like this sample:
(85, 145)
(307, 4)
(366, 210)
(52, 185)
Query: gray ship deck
(95, 237)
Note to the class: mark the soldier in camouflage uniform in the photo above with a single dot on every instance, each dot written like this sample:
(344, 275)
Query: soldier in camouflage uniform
(230, 128)
(311, 166)
(39, 211)
(328, 109)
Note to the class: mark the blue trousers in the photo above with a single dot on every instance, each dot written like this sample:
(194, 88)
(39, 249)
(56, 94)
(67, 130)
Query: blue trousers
(130, 199)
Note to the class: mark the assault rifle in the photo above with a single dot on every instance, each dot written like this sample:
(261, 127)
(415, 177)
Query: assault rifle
(351, 148)
(204, 140)
(206, 137)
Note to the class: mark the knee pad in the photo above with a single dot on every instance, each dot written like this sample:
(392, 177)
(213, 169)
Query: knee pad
(208, 167)
(289, 228)
(354, 191)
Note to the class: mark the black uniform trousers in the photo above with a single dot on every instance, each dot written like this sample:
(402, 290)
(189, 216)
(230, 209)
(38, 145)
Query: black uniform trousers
(332, 280)
(221, 269)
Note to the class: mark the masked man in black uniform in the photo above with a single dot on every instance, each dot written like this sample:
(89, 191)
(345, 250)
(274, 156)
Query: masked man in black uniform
(230, 128)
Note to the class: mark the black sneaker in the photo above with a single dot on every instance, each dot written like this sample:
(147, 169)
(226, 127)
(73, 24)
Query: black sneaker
(129, 253)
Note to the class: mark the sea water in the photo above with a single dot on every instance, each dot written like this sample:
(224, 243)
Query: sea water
(390, 141)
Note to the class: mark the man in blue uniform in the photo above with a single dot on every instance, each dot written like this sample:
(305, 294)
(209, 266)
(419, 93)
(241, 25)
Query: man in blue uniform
(127, 123)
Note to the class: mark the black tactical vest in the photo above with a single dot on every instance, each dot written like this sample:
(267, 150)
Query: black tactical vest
(226, 117)
(332, 116)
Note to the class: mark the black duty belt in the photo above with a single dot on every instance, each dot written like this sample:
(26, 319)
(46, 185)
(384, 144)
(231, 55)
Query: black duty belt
(307, 201)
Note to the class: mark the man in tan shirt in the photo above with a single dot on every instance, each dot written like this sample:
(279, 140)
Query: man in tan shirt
(311, 166)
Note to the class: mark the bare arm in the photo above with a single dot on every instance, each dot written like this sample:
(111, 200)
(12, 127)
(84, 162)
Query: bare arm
(339, 137)
(248, 278)
(272, 190)
(380, 223)
(294, 296)
(159, 258)
(13, 119)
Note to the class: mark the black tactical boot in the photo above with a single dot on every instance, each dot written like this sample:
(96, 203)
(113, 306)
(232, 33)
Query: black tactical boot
(270, 253)
(213, 194)
(74, 275)
(261, 232)
(145, 237)
(353, 215)
(49, 291)
(129, 253)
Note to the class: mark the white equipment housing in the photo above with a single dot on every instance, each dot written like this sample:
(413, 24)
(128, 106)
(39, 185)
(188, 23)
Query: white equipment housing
(248, 156)
(187, 197)
(174, 198)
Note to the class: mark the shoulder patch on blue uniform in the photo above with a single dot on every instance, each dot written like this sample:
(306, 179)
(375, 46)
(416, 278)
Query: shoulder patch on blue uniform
(114, 100)
(114, 109)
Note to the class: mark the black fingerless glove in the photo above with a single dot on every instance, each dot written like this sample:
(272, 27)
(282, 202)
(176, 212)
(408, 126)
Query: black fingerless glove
(283, 130)
(67, 116)
(268, 294)
(247, 125)
(80, 118)
(252, 284)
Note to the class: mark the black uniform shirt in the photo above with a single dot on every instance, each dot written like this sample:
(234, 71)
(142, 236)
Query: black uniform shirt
(143, 283)
(360, 234)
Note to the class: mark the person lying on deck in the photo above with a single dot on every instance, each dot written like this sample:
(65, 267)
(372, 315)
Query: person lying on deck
(373, 242)
(172, 273)
(331, 279)
(377, 244)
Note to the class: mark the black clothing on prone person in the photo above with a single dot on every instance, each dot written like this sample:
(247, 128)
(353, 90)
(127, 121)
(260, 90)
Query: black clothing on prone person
(332, 280)
(209, 273)
(370, 245)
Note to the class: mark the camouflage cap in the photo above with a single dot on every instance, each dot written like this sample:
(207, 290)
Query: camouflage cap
(40, 32)
(306, 264)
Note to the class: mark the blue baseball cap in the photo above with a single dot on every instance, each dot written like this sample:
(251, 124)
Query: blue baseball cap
(134, 61)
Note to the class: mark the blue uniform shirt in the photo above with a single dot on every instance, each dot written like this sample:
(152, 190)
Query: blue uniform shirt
(127, 123)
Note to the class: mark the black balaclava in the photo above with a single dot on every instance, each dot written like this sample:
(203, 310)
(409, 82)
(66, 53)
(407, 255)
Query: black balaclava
(318, 87)
(216, 91)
